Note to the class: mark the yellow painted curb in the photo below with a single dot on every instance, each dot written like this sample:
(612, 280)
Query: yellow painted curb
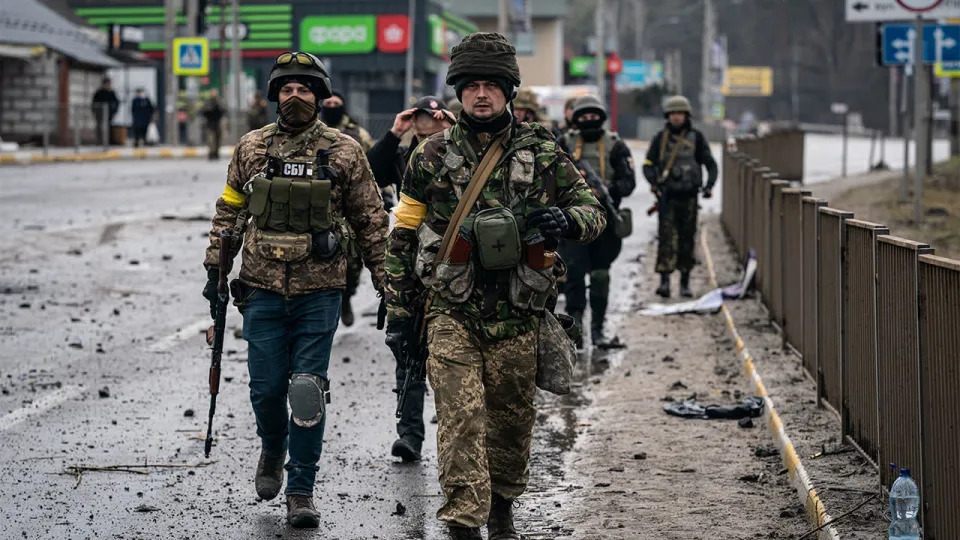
(110, 155)
(816, 511)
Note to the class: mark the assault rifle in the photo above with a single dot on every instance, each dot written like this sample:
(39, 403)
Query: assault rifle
(215, 332)
(413, 358)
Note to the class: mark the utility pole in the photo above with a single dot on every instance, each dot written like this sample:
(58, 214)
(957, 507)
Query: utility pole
(893, 102)
(955, 117)
(501, 17)
(222, 48)
(795, 82)
(599, 62)
(706, 80)
(193, 133)
(408, 76)
(170, 95)
(640, 23)
(920, 117)
(237, 69)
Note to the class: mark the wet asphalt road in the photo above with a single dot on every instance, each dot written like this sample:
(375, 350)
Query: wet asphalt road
(102, 364)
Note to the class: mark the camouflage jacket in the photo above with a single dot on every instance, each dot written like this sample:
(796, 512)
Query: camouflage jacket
(354, 197)
(351, 128)
(433, 197)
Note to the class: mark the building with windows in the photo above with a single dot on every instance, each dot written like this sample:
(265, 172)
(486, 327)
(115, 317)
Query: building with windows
(362, 43)
(539, 50)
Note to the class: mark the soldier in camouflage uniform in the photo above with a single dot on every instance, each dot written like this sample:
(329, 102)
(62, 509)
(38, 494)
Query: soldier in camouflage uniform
(333, 113)
(482, 322)
(610, 158)
(673, 168)
(292, 189)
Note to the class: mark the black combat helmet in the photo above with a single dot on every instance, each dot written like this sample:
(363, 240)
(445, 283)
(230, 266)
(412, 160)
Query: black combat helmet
(303, 68)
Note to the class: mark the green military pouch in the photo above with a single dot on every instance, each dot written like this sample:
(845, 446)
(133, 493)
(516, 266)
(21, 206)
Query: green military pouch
(624, 227)
(259, 197)
(320, 204)
(530, 288)
(556, 354)
(287, 247)
(497, 238)
(279, 204)
(300, 206)
(427, 246)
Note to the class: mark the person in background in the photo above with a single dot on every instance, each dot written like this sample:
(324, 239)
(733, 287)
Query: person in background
(257, 114)
(213, 112)
(105, 107)
(141, 109)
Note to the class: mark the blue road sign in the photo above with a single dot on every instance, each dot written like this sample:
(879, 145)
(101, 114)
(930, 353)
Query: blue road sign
(941, 43)
(191, 56)
(637, 74)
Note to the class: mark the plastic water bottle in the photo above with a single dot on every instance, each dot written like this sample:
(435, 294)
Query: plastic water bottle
(904, 504)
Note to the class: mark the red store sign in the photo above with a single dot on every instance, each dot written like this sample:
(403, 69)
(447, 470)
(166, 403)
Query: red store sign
(393, 33)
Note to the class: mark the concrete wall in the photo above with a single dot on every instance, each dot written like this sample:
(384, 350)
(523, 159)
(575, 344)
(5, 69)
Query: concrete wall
(28, 97)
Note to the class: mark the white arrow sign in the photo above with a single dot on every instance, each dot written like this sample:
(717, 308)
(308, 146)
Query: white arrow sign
(891, 10)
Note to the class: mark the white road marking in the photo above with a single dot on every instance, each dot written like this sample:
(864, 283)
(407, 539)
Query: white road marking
(167, 343)
(39, 406)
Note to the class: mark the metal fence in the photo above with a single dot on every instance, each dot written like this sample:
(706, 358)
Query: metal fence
(874, 318)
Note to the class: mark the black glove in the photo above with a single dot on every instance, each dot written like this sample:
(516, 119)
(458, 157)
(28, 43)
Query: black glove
(210, 290)
(553, 222)
(400, 335)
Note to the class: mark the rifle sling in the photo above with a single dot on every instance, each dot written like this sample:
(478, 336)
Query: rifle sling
(681, 139)
(464, 206)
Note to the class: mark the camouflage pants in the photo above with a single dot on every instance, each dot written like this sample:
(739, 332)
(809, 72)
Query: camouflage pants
(677, 229)
(213, 142)
(484, 391)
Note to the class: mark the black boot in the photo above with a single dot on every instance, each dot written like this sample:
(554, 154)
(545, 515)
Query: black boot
(346, 311)
(664, 288)
(685, 285)
(301, 512)
(406, 449)
(269, 476)
(465, 533)
(500, 523)
(577, 317)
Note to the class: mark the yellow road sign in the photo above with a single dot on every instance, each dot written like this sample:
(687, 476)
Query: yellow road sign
(948, 69)
(191, 56)
(754, 81)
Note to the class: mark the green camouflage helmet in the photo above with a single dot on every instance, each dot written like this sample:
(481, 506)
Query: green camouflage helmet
(303, 67)
(526, 99)
(588, 104)
(675, 104)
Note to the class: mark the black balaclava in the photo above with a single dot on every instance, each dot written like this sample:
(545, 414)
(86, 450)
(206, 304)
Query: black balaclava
(332, 116)
(590, 130)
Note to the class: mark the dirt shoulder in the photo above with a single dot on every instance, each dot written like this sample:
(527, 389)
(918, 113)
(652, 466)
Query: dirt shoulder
(876, 197)
(636, 472)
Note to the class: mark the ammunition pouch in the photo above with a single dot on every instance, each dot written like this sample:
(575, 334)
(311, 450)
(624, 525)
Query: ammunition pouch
(556, 353)
(530, 288)
(454, 282)
(428, 245)
(291, 204)
(326, 244)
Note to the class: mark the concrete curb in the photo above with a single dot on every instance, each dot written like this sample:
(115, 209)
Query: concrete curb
(815, 509)
(29, 158)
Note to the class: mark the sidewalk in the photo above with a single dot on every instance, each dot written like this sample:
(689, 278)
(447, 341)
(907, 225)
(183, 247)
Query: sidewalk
(97, 153)
(641, 473)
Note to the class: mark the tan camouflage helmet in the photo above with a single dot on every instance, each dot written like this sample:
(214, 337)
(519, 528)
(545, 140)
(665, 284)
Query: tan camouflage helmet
(526, 99)
(674, 104)
(588, 104)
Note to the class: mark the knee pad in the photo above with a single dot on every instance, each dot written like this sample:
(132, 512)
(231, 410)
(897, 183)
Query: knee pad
(308, 395)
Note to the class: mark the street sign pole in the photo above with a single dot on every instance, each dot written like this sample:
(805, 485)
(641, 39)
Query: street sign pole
(171, 129)
(921, 95)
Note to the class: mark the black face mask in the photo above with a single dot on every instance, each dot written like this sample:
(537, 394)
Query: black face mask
(332, 116)
(297, 112)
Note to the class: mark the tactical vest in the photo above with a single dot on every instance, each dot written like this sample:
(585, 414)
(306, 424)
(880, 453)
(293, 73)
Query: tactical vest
(294, 193)
(596, 153)
(684, 175)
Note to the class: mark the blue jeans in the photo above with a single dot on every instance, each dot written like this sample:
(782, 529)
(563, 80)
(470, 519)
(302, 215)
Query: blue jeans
(288, 335)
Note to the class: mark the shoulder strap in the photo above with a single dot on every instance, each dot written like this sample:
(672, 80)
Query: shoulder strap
(470, 195)
(681, 139)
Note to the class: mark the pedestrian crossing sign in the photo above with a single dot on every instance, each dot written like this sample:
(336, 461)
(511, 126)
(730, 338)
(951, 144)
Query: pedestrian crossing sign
(191, 56)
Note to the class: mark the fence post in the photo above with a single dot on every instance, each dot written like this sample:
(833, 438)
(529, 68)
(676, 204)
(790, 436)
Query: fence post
(791, 267)
(830, 325)
(811, 283)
